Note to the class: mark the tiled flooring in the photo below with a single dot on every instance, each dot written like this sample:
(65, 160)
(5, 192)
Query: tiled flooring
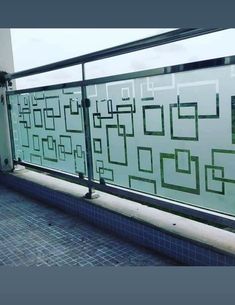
(33, 234)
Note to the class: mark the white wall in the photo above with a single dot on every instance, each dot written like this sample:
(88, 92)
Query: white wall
(6, 56)
(6, 64)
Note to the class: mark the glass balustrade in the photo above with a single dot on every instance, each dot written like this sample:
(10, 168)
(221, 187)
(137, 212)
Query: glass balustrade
(170, 135)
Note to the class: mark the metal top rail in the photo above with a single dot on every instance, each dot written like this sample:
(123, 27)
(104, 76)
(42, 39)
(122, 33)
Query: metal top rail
(153, 41)
(202, 64)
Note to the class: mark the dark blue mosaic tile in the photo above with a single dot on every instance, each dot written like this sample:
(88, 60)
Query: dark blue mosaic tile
(32, 234)
(183, 250)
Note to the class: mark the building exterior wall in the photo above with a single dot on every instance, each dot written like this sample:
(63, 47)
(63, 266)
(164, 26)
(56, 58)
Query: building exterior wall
(6, 55)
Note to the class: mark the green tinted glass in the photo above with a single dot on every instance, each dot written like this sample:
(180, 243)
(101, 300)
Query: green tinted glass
(48, 129)
(169, 135)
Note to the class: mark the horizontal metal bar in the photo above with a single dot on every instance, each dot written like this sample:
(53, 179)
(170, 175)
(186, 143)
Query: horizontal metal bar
(203, 64)
(46, 88)
(141, 44)
(170, 205)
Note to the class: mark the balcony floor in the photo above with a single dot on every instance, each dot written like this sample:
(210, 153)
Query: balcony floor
(33, 234)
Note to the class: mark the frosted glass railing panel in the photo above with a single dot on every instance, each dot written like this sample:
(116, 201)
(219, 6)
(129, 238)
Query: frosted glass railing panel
(169, 135)
(48, 129)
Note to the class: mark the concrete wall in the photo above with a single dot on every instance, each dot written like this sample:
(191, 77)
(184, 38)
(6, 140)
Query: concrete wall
(6, 64)
(6, 56)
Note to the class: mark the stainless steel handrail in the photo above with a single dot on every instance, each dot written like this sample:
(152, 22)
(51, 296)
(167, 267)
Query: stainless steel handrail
(153, 41)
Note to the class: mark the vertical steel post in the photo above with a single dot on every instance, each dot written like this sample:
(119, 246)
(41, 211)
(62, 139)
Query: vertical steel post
(9, 111)
(85, 105)
(6, 159)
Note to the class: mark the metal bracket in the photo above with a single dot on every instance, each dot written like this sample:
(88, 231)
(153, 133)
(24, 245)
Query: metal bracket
(2, 78)
(92, 194)
(81, 175)
(102, 181)
(86, 102)
(2, 99)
